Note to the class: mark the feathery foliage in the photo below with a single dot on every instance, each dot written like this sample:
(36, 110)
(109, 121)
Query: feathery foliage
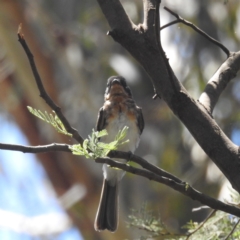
(52, 119)
(93, 148)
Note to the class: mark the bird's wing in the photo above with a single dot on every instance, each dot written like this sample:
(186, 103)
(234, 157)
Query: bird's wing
(101, 120)
(140, 119)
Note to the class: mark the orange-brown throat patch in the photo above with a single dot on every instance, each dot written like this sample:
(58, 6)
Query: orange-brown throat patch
(116, 90)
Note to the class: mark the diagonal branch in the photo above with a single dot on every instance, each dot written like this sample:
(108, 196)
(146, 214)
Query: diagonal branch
(143, 163)
(219, 81)
(42, 90)
(117, 17)
(169, 24)
(201, 32)
(181, 187)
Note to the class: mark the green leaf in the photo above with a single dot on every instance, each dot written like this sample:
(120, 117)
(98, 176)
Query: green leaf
(52, 119)
(93, 148)
(85, 144)
(102, 133)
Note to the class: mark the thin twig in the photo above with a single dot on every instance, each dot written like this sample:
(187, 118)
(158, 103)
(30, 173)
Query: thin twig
(201, 32)
(233, 229)
(42, 90)
(169, 24)
(201, 225)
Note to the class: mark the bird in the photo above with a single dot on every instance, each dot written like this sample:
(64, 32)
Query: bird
(119, 110)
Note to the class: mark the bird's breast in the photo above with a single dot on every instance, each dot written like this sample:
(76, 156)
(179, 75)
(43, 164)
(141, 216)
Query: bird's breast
(116, 122)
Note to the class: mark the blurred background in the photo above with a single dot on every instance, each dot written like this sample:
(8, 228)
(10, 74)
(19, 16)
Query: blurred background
(55, 195)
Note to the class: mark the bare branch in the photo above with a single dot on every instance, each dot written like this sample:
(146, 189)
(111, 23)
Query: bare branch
(143, 163)
(149, 9)
(181, 187)
(116, 15)
(54, 147)
(42, 90)
(169, 24)
(219, 81)
(201, 32)
(157, 22)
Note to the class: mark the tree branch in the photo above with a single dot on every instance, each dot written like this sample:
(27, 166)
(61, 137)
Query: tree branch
(216, 85)
(169, 24)
(157, 22)
(181, 187)
(152, 173)
(149, 10)
(143, 163)
(117, 17)
(201, 32)
(54, 147)
(42, 90)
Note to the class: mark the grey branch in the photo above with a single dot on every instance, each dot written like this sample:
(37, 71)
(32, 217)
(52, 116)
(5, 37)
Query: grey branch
(216, 85)
(54, 147)
(179, 186)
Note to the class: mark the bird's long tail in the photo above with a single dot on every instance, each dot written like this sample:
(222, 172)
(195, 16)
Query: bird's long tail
(107, 214)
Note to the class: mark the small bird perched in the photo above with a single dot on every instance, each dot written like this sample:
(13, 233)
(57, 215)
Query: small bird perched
(119, 110)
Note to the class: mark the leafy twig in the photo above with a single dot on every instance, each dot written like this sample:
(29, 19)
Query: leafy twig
(93, 148)
(52, 119)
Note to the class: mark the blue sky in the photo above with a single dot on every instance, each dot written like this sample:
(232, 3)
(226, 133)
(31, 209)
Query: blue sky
(24, 187)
